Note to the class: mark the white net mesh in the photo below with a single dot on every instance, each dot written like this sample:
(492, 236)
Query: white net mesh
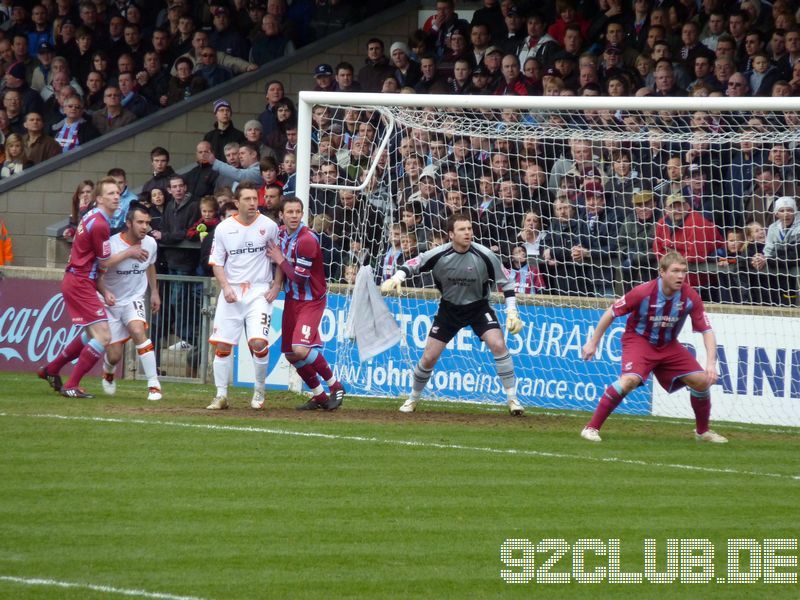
(579, 205)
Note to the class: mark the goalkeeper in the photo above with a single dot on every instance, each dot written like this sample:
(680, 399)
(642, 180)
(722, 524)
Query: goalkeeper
(462, 271)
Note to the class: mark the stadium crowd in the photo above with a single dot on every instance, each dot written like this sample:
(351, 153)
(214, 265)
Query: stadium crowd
(572, 215)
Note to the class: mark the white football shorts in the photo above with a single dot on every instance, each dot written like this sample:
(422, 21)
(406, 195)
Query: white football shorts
(251, 311)
(120, 315)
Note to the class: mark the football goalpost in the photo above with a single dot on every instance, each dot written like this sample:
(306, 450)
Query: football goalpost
(579, 196)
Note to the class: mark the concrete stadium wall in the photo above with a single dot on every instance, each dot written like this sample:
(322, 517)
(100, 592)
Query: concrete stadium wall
(43, 197)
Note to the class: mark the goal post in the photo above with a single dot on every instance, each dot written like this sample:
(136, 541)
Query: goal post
(579, 196)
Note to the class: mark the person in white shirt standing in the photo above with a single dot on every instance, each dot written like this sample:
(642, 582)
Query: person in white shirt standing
(249, 286)
(127, 281)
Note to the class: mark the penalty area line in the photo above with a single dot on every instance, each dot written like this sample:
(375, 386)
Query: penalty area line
(106, 589)
(404, 443)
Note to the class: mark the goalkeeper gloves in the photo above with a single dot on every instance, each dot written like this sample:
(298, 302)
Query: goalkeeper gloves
(393, 284)
(513, 323)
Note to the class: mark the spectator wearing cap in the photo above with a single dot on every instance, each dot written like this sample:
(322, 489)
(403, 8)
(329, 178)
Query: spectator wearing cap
(599, 250)
(38, 145)
(538, 43)
(113, 116)
(441, 24)
(516, 32)
(492, 61)
(513, 83)
(406, 71)
(480, 81)
(41, 74)
(566, 64)
(567, 15)
(65, 43)
(324, 80)
(224, 131)
(40, 32)
(686, 231)
(16, 79)
(782, 248)
(183, 84)
(376, 66)
(636, 236)
(226, 38)
(273, 44)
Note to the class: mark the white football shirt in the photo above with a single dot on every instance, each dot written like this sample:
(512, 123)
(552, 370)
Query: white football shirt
(128, 279)
(242, 250)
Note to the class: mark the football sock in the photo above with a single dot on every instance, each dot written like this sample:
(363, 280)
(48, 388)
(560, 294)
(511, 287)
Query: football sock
(505, 371)
(88, 358)
(320, 365)
(147, 356)
(421, 378)
(608, 402)
(223, 362)
(701, 405)
(260, 362)
(108, 369)
(70, 352)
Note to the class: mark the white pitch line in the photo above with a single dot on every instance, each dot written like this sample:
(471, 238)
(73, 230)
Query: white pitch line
(106, 589)
(406, 443)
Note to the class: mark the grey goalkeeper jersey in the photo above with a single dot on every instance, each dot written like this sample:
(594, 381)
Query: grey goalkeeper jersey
(461, 277)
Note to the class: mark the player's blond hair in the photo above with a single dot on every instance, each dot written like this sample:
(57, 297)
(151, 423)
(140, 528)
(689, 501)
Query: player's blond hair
(98, 189)
(671, 258)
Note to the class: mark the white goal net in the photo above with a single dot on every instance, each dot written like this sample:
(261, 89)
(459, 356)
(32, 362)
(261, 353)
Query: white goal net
(579, 197)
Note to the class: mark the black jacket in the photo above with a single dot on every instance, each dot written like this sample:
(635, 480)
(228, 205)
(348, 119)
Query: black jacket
(176, 222)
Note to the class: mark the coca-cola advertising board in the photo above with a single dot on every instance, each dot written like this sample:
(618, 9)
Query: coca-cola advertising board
(34, 324)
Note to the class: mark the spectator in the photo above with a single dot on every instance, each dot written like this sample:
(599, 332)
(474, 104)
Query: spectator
(95, 86)
(15, 160)
(226, 38)
(762, 75)
(636, 237)
(406, 72)
(430, 82)
(687, 232)
(82, 201)
(527, 278)
(131, 99)
(16, 79)
(376, 66)
(732, 262)
(270, 195)
(202, 230)
(274, 93)
(769, 187)
(156, 202)
(272, 45)
(153, 80)
(565, 233)
(12, 103)
(183, 84)
(202, 179)
(161, 169)
(38, 146)
(249, 171)
(209, 69)
(199, 41)
(738, 86)
(224, 131)
(439, 26)
(782, 249)
(74, 129)
(126, 197)
(567, 15)
(324, 79)
(344, 78)
(113, 116)
(41, 74)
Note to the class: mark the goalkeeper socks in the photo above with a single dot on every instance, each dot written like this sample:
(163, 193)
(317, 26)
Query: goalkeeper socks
(70, 352)
(701, 405)
(223, 362)
(608, 402)
(320, 365)
(421, 378)
(88, 358)
(505, 371)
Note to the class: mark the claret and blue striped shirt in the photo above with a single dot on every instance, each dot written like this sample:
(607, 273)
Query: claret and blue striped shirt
(659, 318)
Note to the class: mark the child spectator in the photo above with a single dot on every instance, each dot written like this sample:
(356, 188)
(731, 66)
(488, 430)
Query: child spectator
(527, 279)
(224, 196)
(732, 265)
(781, 250)
(202, 230)
(393, 257)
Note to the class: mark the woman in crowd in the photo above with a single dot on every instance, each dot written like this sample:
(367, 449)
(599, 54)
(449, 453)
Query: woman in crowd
(15, 157)
(82, 201)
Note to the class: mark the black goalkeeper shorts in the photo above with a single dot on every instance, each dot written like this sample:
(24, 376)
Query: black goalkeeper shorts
(452, 318)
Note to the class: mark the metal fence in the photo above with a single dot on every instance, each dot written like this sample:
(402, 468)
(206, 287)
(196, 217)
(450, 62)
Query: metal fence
(180, 330)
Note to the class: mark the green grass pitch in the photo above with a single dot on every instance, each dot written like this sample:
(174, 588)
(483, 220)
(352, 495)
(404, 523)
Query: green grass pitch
(120, 496)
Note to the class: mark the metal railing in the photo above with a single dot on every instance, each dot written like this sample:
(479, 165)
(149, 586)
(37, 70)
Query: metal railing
(180, 330)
